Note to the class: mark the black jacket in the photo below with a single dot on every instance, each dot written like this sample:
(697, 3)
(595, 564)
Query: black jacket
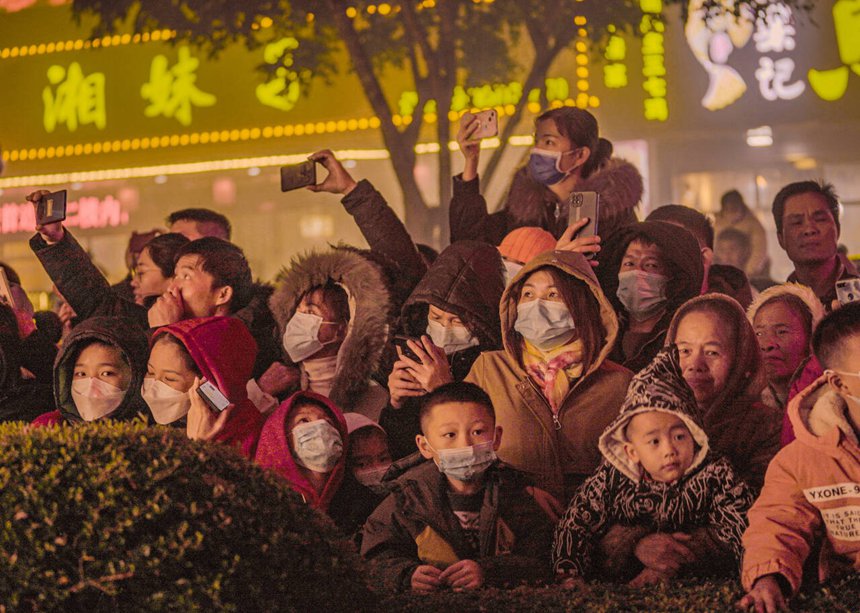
(19, 399)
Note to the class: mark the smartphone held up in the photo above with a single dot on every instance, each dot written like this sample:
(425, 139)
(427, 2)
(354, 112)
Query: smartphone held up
(298, 175)
(51, 208)
(488, 124)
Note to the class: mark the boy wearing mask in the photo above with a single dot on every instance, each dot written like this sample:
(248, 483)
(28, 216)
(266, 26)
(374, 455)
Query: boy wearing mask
(462, 520)
(656, 475)
(812, 486)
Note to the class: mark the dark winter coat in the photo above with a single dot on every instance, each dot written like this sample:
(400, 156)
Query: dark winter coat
(415, 525)
(119, 332)
(708, 495)
(467, 279)
(89, 294)
(20, 399)
(530, 204)
(681, 250)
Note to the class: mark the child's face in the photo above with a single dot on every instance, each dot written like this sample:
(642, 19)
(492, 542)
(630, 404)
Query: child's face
(306, 413)
(454, 425)
(103, 362)
(368, 448)
(661, 443)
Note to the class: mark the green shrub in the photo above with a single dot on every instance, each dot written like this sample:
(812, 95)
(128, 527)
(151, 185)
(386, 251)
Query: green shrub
(118, 516)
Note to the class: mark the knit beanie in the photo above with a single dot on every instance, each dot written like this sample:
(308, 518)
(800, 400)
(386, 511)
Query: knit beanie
(524, 243)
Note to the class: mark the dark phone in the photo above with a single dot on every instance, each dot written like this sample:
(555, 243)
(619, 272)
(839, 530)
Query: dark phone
(581, 205)
(298, 175)
(213, 396)
(400, 341)
(51, 208)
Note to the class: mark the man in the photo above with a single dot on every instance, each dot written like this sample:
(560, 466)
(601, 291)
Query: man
(696, 224)
(807, 226)
(197, 223)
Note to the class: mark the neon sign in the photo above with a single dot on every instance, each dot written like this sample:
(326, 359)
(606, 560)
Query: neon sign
(85, 213)
(832, 84)
(653, 60)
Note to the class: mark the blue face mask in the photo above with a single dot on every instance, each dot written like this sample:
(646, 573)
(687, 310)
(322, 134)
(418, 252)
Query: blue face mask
(545, 166)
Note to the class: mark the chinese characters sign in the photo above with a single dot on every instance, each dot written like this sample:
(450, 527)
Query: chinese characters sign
(89, 212)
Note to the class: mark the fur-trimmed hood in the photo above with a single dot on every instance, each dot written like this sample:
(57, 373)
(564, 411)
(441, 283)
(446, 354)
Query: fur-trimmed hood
(819, 416)
(467, 279)
(802, 292)
(369, 308)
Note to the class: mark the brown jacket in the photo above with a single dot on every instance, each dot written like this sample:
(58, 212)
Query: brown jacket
(557, 458)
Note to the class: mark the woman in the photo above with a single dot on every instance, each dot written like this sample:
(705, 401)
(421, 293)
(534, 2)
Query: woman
(154, 268)
(453, 312)
(99, 372)
(219, 350)
(552, 386)
(721, 362)
(648, 269)
(568, 156)
(783, 318)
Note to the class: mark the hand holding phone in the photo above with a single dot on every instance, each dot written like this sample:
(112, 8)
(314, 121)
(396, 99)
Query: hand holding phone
(582, 205)
(488, 124)
(848, 290)
(338, 181)
(402, 342)
(213, 396)
(50, 211)
(298, 175)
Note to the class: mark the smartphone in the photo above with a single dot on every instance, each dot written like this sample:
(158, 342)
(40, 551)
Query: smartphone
(400, 341)
(213, 396)
(582, 205)
(488, 124)
(6, 289)
(298, 175)
(848, 290)
(51, 208)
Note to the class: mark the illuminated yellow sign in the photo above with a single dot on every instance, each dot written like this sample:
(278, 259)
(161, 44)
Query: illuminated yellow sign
(171, 92)
(284, 90)
(832, 84)
(78, 99)
(653, 60)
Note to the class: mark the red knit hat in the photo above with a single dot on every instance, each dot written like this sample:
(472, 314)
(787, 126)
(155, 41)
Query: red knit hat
(523, 244)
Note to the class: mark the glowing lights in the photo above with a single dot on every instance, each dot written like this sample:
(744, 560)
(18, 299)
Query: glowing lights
(76, 45)
(582, 99)
(653, 60)
(760, 137)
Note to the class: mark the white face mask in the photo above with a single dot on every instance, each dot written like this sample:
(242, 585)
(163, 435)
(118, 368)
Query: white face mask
(317, 446)
(94, 398)
(642, 293)
(301, 336)
(165, 403)
(452, 339)
(544, 323)
(511, 270)
(371, 476)
(855, 399)
(466, 463)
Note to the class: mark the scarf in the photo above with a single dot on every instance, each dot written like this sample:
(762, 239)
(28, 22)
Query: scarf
(318, 375)
(544, 368)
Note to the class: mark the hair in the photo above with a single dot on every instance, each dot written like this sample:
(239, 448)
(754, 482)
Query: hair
(688, 218)
(796, 304)
(163, 249)
(722, 310)
(49, 324)
(187, 360)
(302, 401)
(580, 128)
(226, 263)
(583, 306)
(834, 331)
(823, 189)
(458, 391)
(732, 200)
(205, 217)
(11, 275)
(335, 296)
(643, 237)
(741, 239)
(95, 341)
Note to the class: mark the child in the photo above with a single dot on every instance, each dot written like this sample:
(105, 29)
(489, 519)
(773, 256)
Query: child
(463, 520)
(813, 483)
(656, 476)
(369, 458)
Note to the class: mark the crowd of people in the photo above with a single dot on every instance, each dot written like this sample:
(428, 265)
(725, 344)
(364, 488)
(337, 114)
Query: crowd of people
(527, 406)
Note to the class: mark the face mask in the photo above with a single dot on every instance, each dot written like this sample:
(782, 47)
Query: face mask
(544, 323)
(545, 166)
(301, 336)
(511, 270)
(453, 339)
(466, 463)
(165, 403)
(371, 477)
(317, 446)
(643, 294)
(94, 398)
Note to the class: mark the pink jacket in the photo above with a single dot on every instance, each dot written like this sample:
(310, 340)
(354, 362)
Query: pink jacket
(812, 484)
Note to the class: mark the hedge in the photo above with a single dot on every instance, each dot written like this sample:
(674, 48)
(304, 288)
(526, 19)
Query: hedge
(118, 516)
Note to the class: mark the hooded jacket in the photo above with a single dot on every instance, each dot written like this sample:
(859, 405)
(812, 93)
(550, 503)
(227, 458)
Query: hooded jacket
(531, 204)
(360, 354)
(708, 495)
(812, 486)
(558, 455)
(816, 311)
(681, 251)
(274, 451)
(467, 279)
(119, 332)
(224, 352)
(415, 525)
(89, 294)
(20, 399)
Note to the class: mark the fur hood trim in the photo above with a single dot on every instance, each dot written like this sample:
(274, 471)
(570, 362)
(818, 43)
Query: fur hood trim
(369, 306)
(802, 292)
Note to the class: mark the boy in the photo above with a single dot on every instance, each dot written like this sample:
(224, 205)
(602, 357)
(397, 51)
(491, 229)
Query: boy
(462, 520)
(813, 484)
(656, 476)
